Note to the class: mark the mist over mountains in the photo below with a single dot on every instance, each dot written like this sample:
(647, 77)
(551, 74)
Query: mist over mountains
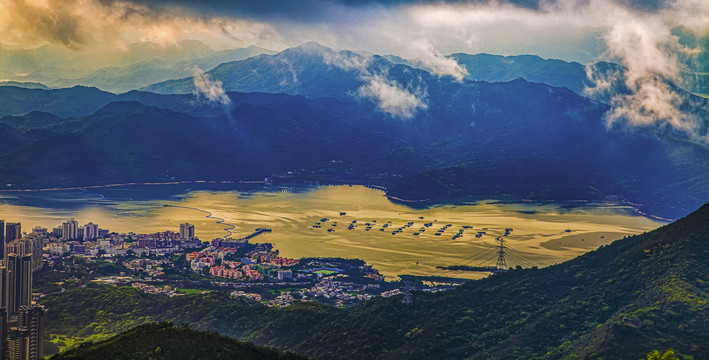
(529, 130)
(139, 64)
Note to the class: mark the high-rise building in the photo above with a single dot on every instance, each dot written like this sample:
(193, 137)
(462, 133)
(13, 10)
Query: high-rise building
(31, 322)
(90, 231)
(3, 284)
(21, 323)
(33, 244)
(4, 327)
(18, 247)
(70, 230)
(19, 282)
(13, 231)
(39, 230)
(2, 239)
(17, 343)
(57, 232)
(187, 231)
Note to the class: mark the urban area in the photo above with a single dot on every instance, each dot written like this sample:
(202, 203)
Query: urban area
(170, 263)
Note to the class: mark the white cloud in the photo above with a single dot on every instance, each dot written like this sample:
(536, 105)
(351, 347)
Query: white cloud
(644, 45)
(211, 90)
(391, 98)
(427, 56)
(348, 61)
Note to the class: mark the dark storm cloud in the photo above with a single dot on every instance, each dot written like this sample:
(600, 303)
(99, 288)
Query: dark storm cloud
(55, 23)
(325, 10)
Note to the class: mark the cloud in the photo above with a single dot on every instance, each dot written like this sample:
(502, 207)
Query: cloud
(424, 54)
(97, 25)
(650, 55)
(348, 61)
(211, 90)
(54, 21)
(391, 98)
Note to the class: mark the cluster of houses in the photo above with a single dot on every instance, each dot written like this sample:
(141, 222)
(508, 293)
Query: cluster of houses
(256, 265)
(148, 266)
(151, 289)
(240, 293)
(344, 291)
(284, 299)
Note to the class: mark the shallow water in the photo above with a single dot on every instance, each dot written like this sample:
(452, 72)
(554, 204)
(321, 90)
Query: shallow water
(539, 235)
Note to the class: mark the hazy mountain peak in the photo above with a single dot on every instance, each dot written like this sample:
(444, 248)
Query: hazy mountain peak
(26, 85)
(311, 47)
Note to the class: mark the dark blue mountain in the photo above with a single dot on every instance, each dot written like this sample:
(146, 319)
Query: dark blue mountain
(80, 101)
(310, 70)
(313, 70)
(31, 120)
(521, 138)
(495, 68)
(70, 102)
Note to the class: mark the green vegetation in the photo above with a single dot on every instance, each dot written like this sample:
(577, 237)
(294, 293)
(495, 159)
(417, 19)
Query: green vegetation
(52, 278)
(163, 341)
(190, 291)
(669, 354)
(639, 293)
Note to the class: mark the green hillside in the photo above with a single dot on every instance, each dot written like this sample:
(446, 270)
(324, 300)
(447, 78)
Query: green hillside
(643, 293)
(163, 341)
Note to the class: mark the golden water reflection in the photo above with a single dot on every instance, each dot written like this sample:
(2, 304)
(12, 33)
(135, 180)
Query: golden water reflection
(539, 231)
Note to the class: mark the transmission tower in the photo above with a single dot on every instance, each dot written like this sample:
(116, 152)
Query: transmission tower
(501, 262)
(407, 295)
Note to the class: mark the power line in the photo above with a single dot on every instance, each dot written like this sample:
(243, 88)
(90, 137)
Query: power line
(501, 262)
(407, 295)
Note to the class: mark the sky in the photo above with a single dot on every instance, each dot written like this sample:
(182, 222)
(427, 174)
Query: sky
(571, 30)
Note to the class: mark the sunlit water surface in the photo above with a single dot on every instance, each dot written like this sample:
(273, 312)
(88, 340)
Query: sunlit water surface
(539, 235)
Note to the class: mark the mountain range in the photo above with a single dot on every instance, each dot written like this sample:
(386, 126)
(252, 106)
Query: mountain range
(324, 114)
(137, 65)
(638, 294)
(313, 70)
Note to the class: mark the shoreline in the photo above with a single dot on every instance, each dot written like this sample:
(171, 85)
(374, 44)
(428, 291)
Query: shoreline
(413, 203)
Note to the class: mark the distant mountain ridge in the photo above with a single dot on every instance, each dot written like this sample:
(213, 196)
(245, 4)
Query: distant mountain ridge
(292, 70)
(140, 64)
(302, 70)
(314, 71)
(26, 85)
(495, 68)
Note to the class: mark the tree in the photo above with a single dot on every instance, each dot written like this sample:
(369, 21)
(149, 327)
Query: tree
(668, 355)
